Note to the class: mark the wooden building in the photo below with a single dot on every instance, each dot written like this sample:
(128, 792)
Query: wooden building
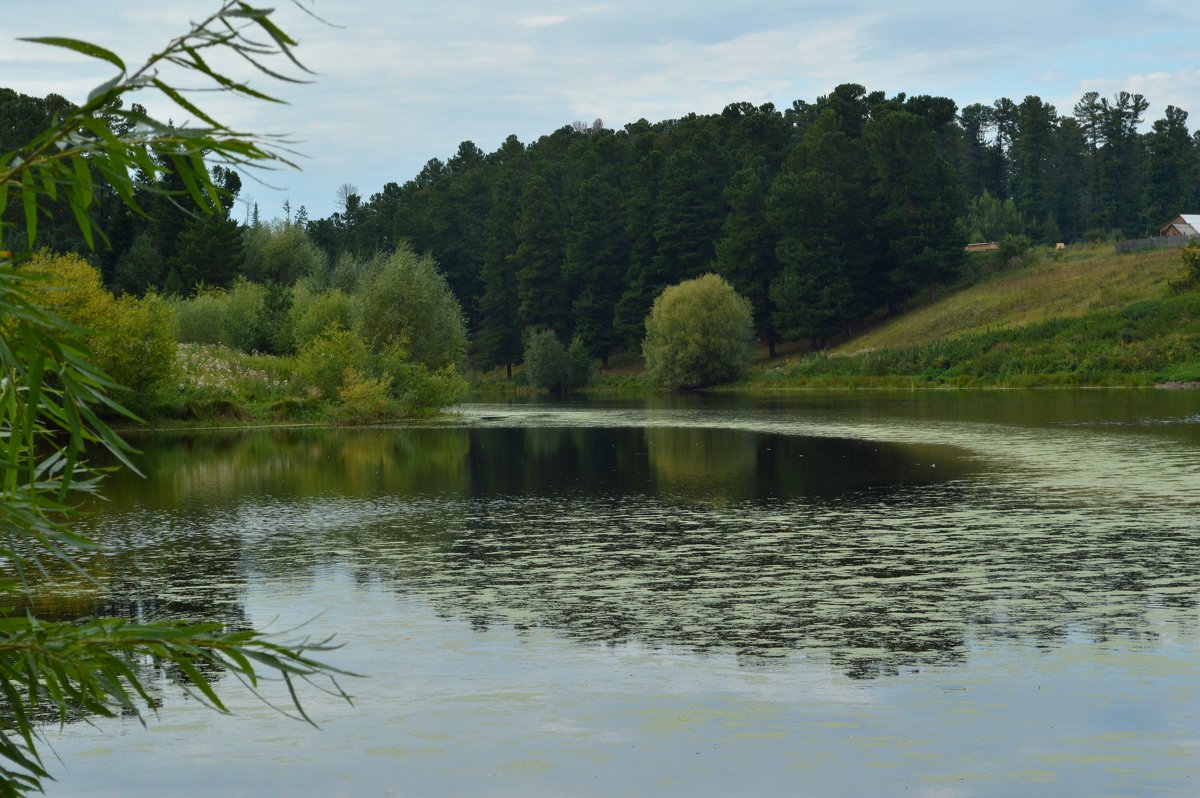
(1185, 224)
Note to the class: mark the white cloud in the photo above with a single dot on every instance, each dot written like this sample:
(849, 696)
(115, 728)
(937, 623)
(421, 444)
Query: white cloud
(399, 84)
(1180, 88)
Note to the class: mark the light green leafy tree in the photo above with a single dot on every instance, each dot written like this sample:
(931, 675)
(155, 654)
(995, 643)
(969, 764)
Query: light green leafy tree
(53, 401)
(698, 333)
(404, 296)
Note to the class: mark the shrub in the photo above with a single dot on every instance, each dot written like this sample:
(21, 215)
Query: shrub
(138, 348)
(244, 324)
(313, 312)
(346, 273)
(201, 319)
(72, 288)
(699, 332)
(132, 340)
(550, 366)
(323, 361)
(362, 398)
(281, 252)
(404, 295)
(1013, 250)
(423, 391)
(1191, 262)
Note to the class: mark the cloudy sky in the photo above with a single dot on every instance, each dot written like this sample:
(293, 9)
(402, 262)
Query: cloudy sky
(402, 82)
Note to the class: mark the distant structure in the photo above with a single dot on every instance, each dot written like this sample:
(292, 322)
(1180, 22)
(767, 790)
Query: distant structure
(983, 246)
(1185, 224)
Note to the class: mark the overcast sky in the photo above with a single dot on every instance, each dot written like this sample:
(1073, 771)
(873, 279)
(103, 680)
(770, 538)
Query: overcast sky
(402, 82)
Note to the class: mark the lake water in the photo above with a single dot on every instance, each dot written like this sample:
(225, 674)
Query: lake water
(925, 594)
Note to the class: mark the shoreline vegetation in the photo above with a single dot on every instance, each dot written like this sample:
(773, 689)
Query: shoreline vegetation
(1083, 317)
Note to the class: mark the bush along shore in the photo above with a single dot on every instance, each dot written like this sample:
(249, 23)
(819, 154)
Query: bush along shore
(387, 347)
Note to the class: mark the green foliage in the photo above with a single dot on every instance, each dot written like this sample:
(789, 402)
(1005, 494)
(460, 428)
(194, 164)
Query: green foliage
(324, 361)
(1013, 247)
(594, 260)
(1147, 342)
(208, 251)
(52, 399)
(537, 262)
(138, 349)
(698, 333)
(362, 398)
(404, 295)
(812, 300)
(550, 366)
(201, 319)
(1191, 263)
(244, 324)
(279, 252)
(746, 251)
(347, 273)
(312, 312)
(132, 340)
(991, 218)
(424, 391)
(139, 266)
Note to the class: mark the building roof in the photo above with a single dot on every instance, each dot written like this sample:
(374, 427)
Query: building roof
(1185, 224)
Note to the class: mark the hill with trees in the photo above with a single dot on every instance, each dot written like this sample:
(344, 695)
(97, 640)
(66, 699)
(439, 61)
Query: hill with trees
(824, 215)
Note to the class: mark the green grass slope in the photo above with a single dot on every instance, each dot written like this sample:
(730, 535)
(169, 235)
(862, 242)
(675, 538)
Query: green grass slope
(1086, 317)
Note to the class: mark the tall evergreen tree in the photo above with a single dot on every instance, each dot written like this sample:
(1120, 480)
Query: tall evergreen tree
(1032, 155)
(498, 335)
(921, 204)
(595, 259)
(641, 189)
(1170, 169)
(745, 253)
(538, 260)
(691, 208)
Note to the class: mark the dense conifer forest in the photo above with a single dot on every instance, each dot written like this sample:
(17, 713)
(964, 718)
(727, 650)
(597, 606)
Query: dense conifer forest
(821, 214)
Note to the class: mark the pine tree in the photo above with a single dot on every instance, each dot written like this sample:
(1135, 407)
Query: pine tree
(596, 257)
(538, 260)
(745, 253)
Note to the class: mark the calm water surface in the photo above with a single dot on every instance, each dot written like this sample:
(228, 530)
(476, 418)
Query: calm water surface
(948, 594)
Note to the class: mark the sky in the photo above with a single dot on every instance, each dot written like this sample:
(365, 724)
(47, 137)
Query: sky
(402, 81)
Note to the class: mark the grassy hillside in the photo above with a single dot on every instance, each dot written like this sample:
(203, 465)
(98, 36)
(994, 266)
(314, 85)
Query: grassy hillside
(1086, 317)
(1079, 281)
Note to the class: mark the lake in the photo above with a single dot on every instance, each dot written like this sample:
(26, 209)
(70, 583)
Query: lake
(925, 594)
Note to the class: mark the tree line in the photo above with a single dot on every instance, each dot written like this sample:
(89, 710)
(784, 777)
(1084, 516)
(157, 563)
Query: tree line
(820, 214)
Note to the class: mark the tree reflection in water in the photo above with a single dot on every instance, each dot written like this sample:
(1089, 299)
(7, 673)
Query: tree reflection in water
(875, 556)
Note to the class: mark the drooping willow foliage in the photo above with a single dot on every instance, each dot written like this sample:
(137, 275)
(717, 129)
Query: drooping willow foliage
(53, 402)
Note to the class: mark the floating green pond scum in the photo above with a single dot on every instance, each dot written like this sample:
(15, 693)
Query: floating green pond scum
(970, 594)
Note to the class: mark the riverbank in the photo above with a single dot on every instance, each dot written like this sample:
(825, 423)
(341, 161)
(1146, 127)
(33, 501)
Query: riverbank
(1082, 317)
(218, 386)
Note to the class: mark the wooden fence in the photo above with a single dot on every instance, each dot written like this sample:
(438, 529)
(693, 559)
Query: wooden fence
(1158, 242)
